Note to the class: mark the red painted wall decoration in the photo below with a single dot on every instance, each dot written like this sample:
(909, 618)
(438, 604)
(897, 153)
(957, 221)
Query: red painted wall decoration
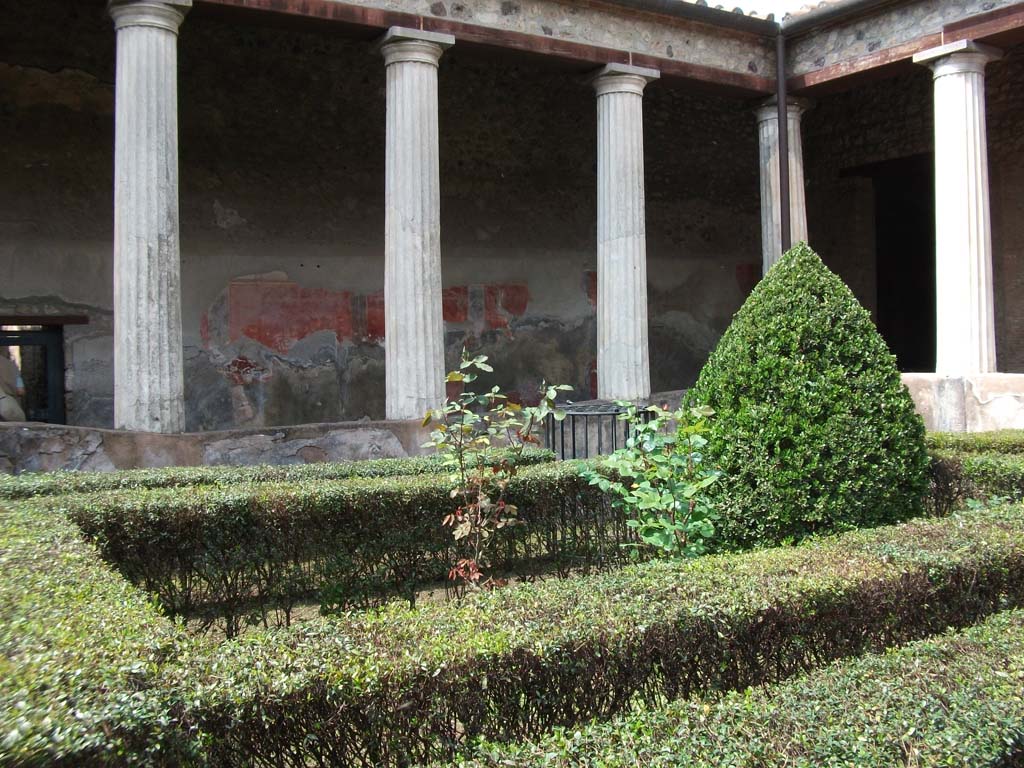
(277, 313)
(375, 317)
(242, 370)
(455, 304)
(503, 301)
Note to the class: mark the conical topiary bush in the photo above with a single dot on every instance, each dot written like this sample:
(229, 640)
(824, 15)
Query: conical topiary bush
(814, 431)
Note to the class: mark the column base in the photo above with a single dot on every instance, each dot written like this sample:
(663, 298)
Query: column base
(978, 403)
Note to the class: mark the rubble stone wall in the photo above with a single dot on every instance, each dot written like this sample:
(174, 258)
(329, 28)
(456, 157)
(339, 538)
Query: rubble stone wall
(892, 119)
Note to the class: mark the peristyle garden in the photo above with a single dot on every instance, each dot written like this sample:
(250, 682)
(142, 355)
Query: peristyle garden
(784, 570)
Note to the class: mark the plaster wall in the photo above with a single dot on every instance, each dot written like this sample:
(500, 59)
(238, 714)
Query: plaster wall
(282, 172)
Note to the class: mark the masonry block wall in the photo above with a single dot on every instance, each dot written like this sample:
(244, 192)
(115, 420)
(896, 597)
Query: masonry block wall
(282, 211)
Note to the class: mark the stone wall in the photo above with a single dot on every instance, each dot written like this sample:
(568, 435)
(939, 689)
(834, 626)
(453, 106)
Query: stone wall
(879, 121)
(45, 448)
(888, 27)
(891, 119)
(1004, 92)
(282, 214)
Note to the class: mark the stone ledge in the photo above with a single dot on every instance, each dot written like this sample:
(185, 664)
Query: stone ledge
(32, 447)
(977, 403)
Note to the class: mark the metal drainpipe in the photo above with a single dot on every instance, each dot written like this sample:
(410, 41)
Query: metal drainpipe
(783, 117)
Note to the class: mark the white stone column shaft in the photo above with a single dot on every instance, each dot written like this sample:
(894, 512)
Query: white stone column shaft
(623, 365)
(148, 370)
(768, 141)
(414, 325)
(965, 320)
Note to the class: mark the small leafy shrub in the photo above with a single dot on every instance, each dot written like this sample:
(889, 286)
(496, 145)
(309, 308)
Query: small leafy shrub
(466, 429)
(952, 700)
(814, 431)
(659, 479)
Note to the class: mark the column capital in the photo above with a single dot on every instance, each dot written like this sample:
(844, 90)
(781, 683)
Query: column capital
(622, 78)
(963, 56)
(407, 44)
(162, 14)
(795, 107)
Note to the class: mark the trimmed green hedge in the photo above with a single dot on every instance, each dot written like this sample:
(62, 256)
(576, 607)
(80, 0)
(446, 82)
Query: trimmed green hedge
(238, 553)
(1002, 441)
(959, 477)
(953, 700)
(92, 675)
(397, 686)
(54, 483)
(81, 654)
(814, 431)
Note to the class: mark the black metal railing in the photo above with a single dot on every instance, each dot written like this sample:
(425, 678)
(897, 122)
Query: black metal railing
(588, 429)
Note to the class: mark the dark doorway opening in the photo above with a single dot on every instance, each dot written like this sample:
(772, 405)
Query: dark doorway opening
(38, 352)
(905, 256)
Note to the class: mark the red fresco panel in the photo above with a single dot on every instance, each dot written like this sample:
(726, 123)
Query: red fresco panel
(277, 314)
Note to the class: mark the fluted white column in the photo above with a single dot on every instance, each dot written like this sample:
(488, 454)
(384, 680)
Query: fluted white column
(414, 327)
(623, 366)
(768, 140)
(148, 378)
(965, 321)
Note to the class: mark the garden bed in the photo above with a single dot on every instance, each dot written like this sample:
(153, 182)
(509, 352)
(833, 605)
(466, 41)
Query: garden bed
(239, 552)
(94, 674)
(400, 686)
(236, 553)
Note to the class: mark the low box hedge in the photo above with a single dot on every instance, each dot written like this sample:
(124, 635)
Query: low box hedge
(397, 686)
(53, 483)
(237, 553)
(959, 477)
(92, 675)
(248, 552)
(1000, 441)
(952, 700)
(82, 654)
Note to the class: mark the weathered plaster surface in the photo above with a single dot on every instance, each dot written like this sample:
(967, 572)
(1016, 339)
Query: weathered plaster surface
(1004, 93)
(979, 403)
(888, 27)
(48, 448)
